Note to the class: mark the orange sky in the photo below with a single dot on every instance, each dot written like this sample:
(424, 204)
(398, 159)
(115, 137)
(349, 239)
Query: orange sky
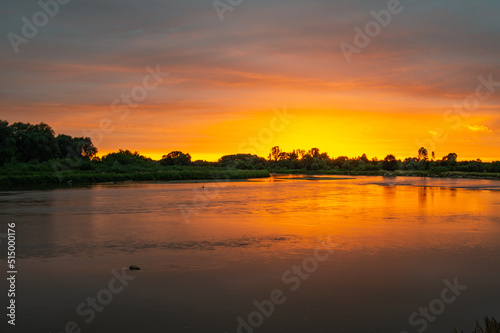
(227, 79)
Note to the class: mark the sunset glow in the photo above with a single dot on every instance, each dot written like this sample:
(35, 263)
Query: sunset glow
(226, 78)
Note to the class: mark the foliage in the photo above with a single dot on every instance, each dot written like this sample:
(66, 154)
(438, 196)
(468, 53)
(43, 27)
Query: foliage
(24, 142)
(390, 163)
(125, 157)
(242, 161)
(33, 153)
(490, 326)
(176, 158)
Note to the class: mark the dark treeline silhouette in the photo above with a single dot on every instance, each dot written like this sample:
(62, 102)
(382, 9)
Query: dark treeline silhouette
(23, 142)
(37, 145)
(314, 160)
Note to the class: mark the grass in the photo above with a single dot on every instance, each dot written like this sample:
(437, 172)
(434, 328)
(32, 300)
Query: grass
(62, 171)
(37, 177)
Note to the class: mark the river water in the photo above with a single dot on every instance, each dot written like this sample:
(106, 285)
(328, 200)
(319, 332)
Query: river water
(284, 254)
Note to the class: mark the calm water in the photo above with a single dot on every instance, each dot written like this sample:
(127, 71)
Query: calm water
(208, 253)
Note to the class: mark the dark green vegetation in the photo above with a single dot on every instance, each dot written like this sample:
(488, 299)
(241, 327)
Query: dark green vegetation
(315, 162)
(121, 166)
(32, 154)
(490, 326)
(22, 142)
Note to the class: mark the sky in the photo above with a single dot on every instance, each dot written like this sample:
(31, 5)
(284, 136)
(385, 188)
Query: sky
(241, 76)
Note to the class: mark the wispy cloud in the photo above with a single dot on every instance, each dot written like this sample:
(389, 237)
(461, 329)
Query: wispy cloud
(478, 128)
(265, 54)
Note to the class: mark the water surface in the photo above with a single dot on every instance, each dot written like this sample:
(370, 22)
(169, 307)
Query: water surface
(209, 250)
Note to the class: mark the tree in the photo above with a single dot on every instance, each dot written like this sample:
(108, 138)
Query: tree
(7, 143)
(423, 155)
(34, 142)
(364, 158)
(411, 163)
(293, 156)
(70, 147)
(300, 152)
(450, 159)
(125, 157)
(176, 158)
(390, 163)
(87, 148)
(338, 162)
(324, 156)
(314, 152)
(276, 154)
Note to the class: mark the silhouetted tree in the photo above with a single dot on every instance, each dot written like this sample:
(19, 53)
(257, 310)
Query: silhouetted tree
(75, 147)
(411, 163)
(364, 158)
(126, 157)
(34, 142)
(301, 153)
(293, 156)
(324, 156)
(176, 158)
(423, 155)
(314, 152)
(390, 163)
(7, 143)
(450, 159)
(276, 154)
(494, 166)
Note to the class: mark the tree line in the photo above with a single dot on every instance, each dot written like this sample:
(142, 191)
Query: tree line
(24, 142)
(35, 144)
(314, 160)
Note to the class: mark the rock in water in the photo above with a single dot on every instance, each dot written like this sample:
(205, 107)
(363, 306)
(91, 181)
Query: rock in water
(134, 268)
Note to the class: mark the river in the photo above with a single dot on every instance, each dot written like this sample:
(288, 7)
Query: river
(284, 254)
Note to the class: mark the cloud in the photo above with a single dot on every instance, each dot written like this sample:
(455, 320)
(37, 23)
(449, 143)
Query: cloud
(478, 128)
(264, 54)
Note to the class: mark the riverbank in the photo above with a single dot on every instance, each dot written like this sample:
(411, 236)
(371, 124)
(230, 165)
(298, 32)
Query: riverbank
(92, 176)
(188, 173)
(397, 173)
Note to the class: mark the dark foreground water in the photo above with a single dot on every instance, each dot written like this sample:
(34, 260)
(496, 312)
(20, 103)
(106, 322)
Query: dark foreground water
(313, 254)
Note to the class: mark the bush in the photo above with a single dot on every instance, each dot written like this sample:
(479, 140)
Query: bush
(491, 326)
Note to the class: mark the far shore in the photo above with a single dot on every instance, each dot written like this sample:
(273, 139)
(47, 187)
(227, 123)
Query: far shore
(51, 179)
(397, 173)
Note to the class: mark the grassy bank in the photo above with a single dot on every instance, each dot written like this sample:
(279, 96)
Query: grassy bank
(401, 173)
(37, 176)
(94, 176)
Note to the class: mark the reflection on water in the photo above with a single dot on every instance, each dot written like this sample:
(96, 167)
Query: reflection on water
(397, 240)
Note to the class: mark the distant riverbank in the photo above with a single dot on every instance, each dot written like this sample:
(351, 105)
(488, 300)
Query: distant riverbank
(91, 176)
(400, 173)
(40, 178)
